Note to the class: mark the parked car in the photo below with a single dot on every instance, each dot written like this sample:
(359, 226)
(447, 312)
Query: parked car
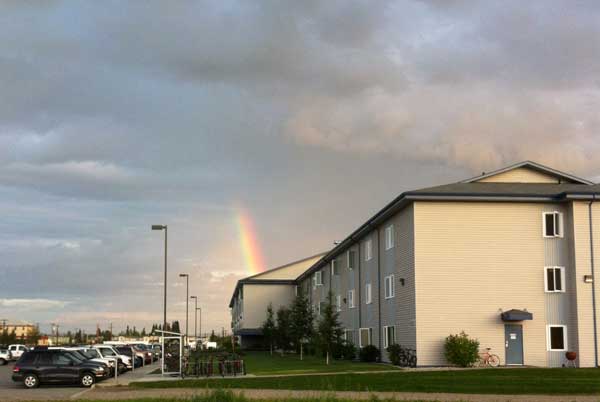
(17, 350)
(93, 355)
(129, 351)
(56, 366)
(110, 352)
(146, 355)
(5, 356)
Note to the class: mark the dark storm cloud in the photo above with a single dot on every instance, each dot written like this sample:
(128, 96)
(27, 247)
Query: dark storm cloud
(116, 115)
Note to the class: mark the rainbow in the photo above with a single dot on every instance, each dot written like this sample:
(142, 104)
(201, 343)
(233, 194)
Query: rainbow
(249, 241)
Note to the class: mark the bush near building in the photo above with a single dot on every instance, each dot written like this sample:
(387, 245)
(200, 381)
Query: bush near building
(461, 350)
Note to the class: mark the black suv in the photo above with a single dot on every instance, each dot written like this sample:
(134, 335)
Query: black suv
(56, 366)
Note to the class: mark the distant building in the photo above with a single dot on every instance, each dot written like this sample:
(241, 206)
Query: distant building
(252, 296)
(21, 330)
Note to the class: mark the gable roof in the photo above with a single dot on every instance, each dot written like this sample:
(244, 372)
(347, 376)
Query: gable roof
(283, 275)
(533, 166)
(472, 190)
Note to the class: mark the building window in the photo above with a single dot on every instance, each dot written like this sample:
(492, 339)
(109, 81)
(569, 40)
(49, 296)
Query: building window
(350, 336)
(390, 290)
(368, 250)
(351, 255)
(557, 337)
(389, 237)
(351, 298)
(338, 303)
(335, 267)
(368, 293)
(319, 278)
(555, 279)
(321, 307)
(389, 336)
(553, 224)
(365, 337)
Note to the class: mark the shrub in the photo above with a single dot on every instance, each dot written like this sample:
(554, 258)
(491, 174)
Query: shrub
(369, 354)
(394, 352)
(345, 350)
(461, 350)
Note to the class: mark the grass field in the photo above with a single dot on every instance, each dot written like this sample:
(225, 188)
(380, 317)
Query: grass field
(261, 363)
(483, 381)
(227, 396)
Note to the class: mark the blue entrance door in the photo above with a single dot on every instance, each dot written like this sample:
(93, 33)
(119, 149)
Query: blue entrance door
(513, 336)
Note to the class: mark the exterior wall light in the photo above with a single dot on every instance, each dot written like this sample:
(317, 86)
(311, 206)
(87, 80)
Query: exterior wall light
(588, 278)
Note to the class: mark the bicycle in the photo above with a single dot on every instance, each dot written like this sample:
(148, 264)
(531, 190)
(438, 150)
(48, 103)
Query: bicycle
(488, 359)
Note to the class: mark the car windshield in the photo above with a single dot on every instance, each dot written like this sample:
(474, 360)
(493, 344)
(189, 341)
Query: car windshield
(90, 354)
(141, 347)
(80, 354)
(75, 357)
(108, 352)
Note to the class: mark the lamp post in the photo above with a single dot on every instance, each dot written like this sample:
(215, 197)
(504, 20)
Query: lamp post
(187, 299)
(200, 320)
(195, 319)
(164, 227)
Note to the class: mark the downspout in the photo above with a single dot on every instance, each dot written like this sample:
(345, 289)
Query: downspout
(593, 279)
(379, 290)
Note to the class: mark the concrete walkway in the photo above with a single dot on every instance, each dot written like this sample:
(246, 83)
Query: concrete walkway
(184, 393)
(136, 375)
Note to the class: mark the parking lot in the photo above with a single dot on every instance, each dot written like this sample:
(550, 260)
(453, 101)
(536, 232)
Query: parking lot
(12, 391)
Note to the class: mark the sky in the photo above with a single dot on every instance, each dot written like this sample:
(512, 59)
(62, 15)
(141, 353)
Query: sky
(259, 132)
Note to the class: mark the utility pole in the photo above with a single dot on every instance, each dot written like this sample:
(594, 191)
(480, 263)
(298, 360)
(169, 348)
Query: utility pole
(111, 336)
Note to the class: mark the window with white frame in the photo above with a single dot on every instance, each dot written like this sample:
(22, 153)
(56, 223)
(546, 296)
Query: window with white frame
(554, 279)
(368, 250)
(351, 255)
(338, 302)
(364, 338)
(368, 299)
(389, 336)
(390, 290)
(557, 337)
(351, 298)
(389, 237)
(335, 267)
(350, 336)
(318, 278)
(553, 224)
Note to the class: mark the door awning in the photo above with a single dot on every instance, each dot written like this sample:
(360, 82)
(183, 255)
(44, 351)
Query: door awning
(516, 315)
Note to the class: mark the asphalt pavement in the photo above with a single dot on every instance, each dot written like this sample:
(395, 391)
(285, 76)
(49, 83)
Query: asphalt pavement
(13, 391)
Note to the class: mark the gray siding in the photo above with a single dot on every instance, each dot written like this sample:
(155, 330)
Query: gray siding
(557, 252)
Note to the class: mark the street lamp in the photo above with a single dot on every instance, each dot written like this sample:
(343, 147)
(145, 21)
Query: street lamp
(187, 299)
(200, 320)
(164, 227)
(195, 319)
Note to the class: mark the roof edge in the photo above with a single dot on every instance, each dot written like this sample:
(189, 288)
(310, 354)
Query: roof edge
(534, 165)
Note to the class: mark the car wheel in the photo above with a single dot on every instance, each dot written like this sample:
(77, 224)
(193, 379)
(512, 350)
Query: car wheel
(2, 362)
(31, 381)
(87, 380)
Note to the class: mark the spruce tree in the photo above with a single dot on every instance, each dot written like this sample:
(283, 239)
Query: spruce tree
(302, 322)
(268, 328)
(329, 328)
(283, 333)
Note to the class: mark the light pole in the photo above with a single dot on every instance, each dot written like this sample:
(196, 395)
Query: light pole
(200, 320)
(187, 299)
(164, 227)
(195, 319)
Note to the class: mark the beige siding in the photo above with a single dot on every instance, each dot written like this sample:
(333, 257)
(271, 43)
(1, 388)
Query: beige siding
(257, 299)
(521, 175)
(472, 261)
(291, 271)
(581, 255)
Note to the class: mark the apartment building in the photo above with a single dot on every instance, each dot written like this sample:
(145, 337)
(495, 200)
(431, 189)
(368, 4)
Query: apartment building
(508, 257)
(21, 330)
(252, 296)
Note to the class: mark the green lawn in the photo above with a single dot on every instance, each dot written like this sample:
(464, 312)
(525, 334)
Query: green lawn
(483, 381)
(262, 363)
